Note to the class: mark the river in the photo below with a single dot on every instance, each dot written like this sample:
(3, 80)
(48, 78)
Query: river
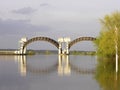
(49, 72)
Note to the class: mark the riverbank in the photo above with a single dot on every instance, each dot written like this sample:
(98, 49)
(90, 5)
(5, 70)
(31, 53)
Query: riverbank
(14, 52)
(7, 51)
(44, 52)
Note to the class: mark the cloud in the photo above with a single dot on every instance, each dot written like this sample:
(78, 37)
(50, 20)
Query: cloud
(25, 10)
(44, 5)
(20, 27)
(47, 6)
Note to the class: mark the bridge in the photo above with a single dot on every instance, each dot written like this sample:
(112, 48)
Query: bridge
(24, 42)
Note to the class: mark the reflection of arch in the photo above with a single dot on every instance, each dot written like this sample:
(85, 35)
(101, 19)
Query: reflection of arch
(81, 70)
(81, 39)
(32, 69)
(63, 65)
(40, 39)
(24, 67)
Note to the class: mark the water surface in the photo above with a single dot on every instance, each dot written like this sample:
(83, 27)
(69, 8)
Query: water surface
(48, 72)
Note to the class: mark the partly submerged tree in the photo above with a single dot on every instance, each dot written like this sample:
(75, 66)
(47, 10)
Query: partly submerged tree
(106, 75)
(106, 40)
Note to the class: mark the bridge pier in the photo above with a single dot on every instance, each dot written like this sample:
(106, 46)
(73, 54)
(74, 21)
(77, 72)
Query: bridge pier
(60, 40)
(67, 40)
(60, 48)
(66, 49)
(22, 42)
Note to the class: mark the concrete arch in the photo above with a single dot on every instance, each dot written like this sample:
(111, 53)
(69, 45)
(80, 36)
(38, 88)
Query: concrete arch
(81, 39)
(55, 43)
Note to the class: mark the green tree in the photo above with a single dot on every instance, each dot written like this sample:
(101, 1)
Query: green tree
(106, 40)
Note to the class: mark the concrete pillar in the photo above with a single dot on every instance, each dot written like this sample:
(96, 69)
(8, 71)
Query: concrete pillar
(67, 48)
(60, 48)
(67, 40)
(22, 42)
(60, 40)
(25, 50)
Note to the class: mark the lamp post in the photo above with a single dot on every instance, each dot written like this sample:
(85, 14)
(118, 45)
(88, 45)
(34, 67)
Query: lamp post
(116, 47)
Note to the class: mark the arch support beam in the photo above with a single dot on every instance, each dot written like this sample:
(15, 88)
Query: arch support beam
(80, 39)
(55, 43)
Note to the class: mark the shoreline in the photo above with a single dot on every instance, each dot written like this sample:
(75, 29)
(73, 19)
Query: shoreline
(45, 52)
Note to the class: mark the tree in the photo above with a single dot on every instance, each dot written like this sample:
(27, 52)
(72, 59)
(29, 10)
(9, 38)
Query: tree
(106, 40)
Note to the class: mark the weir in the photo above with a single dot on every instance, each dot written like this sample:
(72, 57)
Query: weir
(63, 44)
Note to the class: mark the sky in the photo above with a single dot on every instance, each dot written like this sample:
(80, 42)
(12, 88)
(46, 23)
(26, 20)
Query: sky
(51, 18)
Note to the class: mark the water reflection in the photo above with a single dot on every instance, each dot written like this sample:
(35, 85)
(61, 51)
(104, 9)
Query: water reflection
(63, 67)
(106, 75)
(24, 67)
(22, 64)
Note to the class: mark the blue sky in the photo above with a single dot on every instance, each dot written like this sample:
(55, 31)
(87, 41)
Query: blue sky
(52, 18)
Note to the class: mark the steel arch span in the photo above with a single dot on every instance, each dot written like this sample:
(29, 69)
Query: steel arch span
(80, 39)
(55, 43)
